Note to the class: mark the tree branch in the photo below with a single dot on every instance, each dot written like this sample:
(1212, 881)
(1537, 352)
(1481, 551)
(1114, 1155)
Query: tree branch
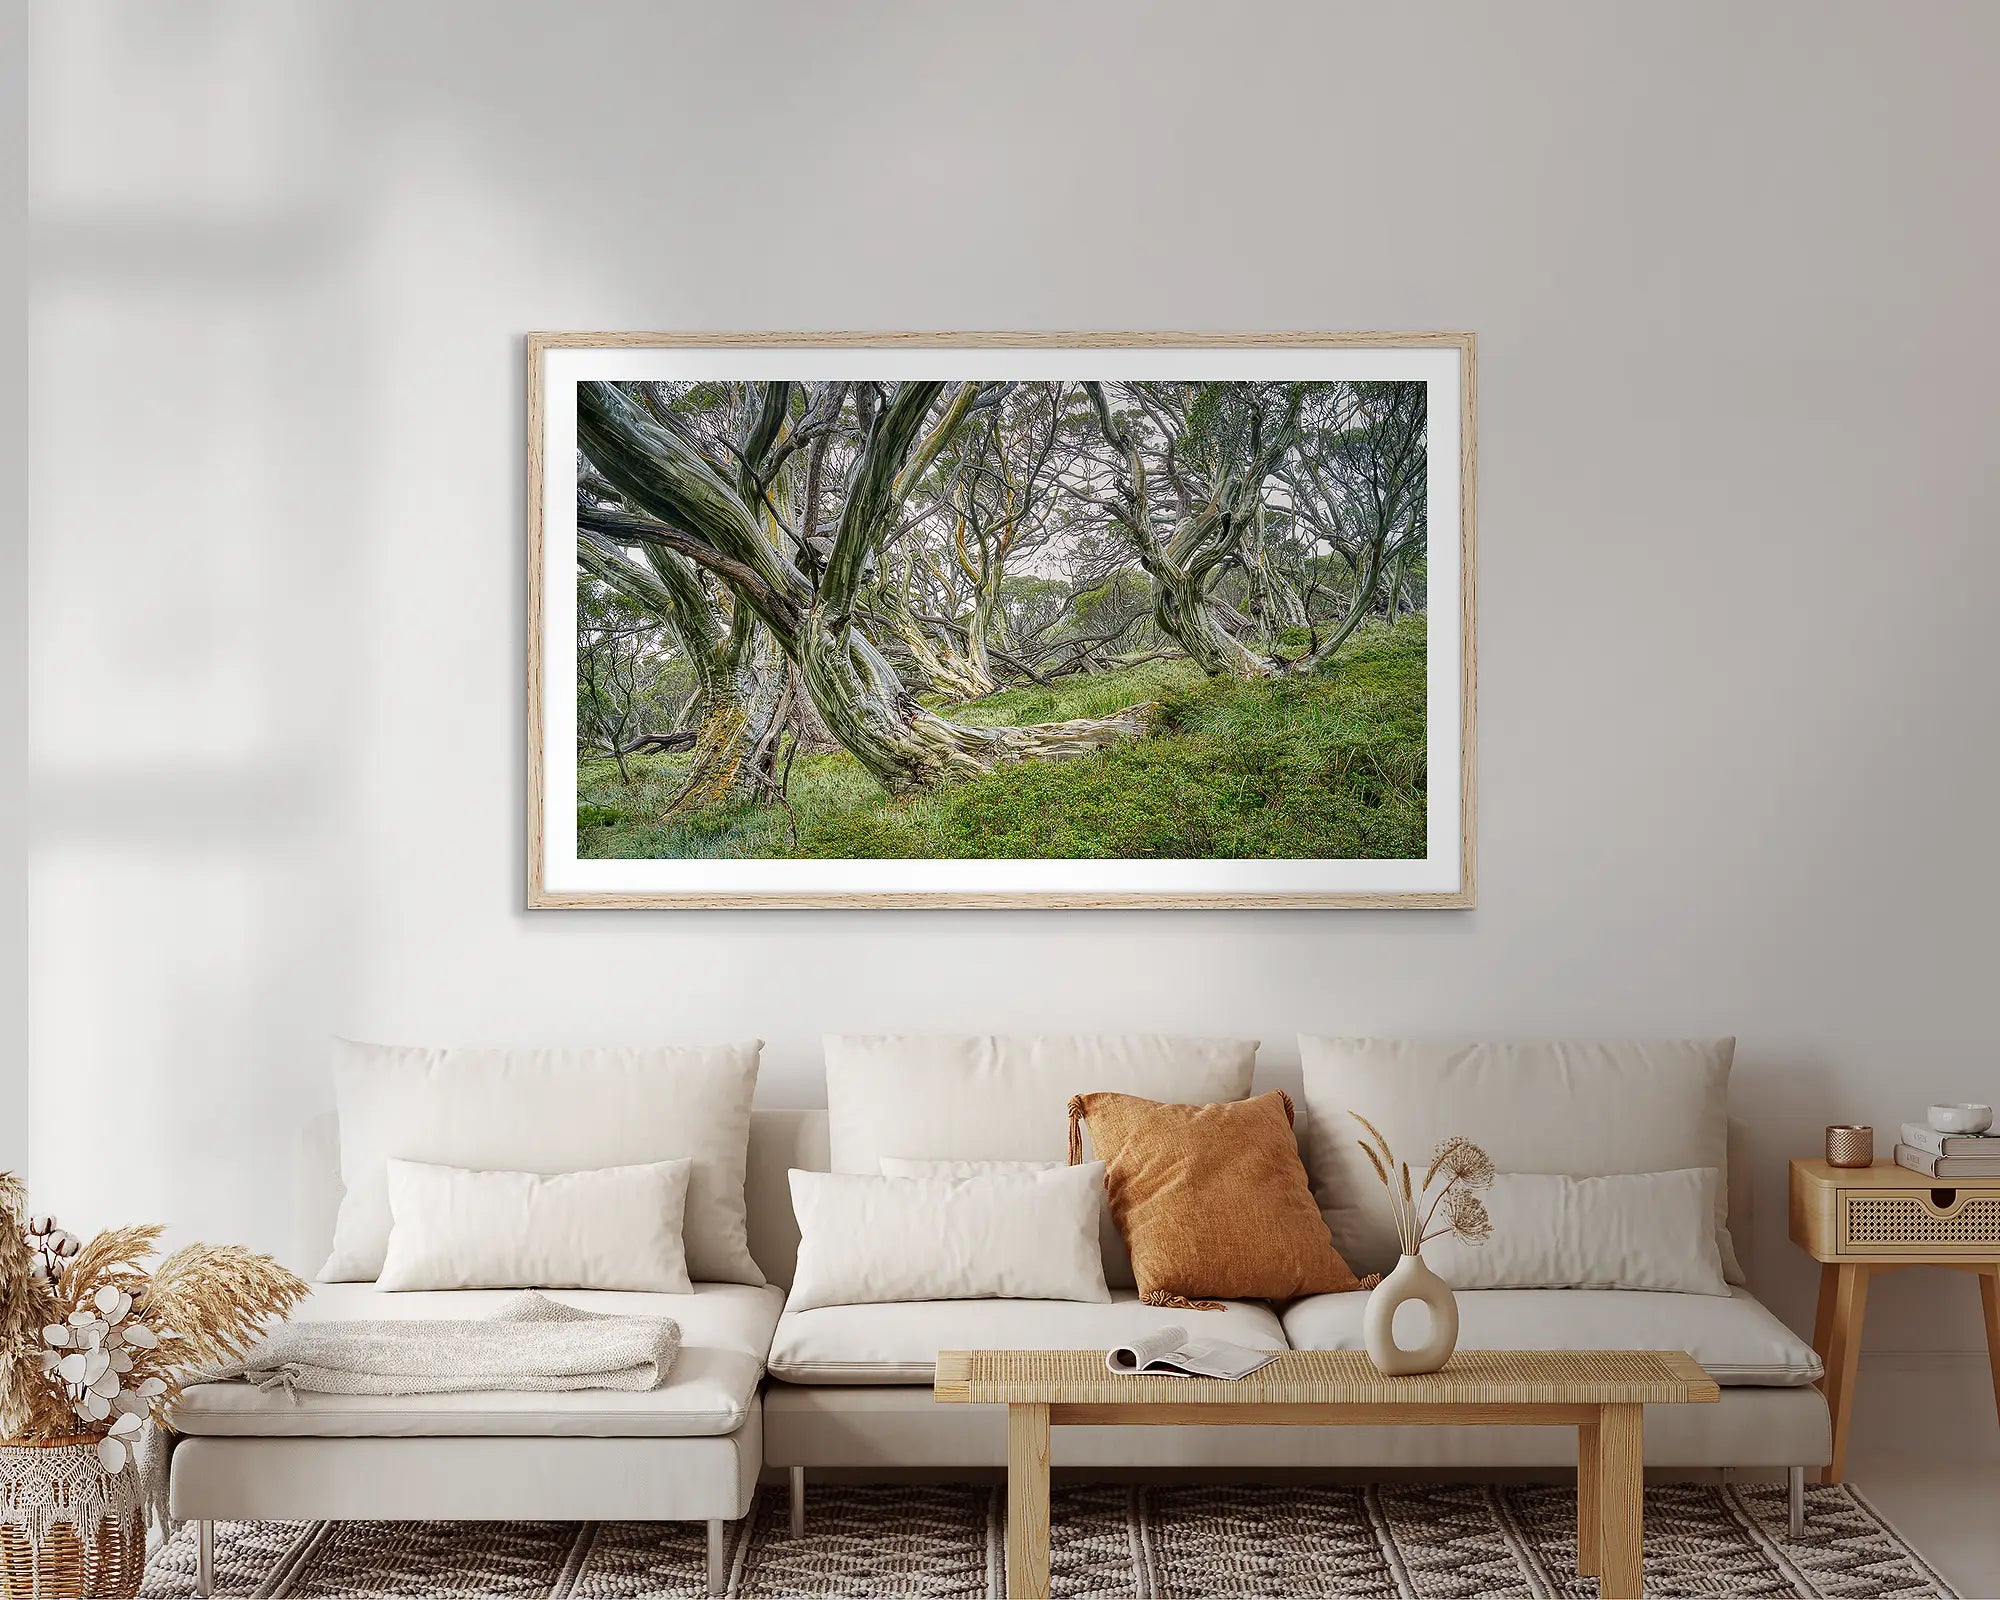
(872, 494)
(625, 528)
(694, 510)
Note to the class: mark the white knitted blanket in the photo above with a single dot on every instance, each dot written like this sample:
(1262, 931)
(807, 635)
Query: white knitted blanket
(531, 1343)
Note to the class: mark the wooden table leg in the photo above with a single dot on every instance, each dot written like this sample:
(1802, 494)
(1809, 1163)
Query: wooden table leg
(1989, 1302)
(1829, 1282)
(1850, 1311)
(1027, 1502)
(1589, 1519)
(1621, 1484)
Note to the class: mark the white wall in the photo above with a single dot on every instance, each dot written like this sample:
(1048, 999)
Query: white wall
(1731, 272)
(13, 587)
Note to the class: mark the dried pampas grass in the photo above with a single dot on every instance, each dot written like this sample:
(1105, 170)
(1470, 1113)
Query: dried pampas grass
(116, 1256)
(218, 1297)
(26, 1305)
(133, 1336)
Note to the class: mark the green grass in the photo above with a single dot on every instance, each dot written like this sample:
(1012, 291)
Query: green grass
(1328, 766)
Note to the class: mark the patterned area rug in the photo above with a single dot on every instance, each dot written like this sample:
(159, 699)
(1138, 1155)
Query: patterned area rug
(1410, 1542)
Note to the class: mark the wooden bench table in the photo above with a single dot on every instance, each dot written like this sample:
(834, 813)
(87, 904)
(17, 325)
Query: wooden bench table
(1600, 1393)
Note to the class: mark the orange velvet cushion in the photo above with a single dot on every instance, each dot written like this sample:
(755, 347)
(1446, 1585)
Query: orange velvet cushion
(1212, 1200)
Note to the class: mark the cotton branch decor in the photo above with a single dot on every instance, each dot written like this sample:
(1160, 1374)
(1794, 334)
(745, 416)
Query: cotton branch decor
(94, 1345)
(1421, 1216)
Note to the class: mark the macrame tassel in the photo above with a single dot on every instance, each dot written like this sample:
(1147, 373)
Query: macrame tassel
(1075, 1129)
(1179, 1302)
(1371, 1280)
(1289, 1117)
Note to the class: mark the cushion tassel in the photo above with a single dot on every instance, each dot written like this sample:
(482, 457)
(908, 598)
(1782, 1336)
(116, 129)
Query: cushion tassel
(1075, 1129)
(1179, 1302)
(1371, 1280)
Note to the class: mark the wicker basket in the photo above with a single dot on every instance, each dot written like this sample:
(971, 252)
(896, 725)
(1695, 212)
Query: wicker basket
(69, 1530)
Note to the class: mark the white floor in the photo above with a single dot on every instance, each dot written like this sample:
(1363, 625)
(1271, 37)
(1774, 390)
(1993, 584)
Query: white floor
(1950, 1510)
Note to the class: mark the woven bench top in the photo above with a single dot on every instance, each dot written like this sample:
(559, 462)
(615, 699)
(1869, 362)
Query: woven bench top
(1334, 1377)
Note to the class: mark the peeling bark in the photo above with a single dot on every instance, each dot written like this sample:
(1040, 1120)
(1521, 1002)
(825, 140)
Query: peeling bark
(734, 691)
(735, 748)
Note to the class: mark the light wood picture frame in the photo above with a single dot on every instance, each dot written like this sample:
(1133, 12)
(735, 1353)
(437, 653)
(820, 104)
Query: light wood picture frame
(889, 478)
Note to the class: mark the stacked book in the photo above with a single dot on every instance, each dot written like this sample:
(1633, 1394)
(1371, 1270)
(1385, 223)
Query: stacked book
(1948, 1155)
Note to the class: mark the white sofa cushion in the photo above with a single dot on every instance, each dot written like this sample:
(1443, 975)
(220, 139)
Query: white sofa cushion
(986, 1097)
(1637, 1230)
(1734, 1337)
(866, 1238)
(614, 1228)
(521, 1479)
(1582, 1107)
(725, 1332)
(990, 1098)
(898, 1343)
(546, 1111)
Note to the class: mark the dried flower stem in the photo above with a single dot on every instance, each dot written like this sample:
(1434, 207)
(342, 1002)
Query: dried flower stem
(1466, 1167)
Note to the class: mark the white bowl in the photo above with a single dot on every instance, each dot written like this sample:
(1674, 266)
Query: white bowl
(1961, 1118)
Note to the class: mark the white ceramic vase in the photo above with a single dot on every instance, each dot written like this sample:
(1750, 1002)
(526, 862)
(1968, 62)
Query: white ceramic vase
(1411, 1280)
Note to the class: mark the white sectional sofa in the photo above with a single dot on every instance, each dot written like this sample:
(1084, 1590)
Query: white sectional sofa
(691, 1450)
(757, 1388)
(850, 1385)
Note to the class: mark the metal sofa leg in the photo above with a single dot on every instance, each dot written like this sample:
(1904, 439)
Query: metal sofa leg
(204, 1559)
(798, 1502)
(718, 1566)
(1795, 1483)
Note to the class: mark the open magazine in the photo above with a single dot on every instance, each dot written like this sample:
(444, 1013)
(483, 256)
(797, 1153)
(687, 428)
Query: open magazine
(1171, 1353)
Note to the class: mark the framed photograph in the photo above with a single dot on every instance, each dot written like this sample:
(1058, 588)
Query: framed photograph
(1094, 620)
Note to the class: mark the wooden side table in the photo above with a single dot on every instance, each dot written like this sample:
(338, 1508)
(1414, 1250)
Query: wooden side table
(1858, 1221)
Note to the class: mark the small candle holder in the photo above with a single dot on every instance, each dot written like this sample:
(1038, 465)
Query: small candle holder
(1849, 1145)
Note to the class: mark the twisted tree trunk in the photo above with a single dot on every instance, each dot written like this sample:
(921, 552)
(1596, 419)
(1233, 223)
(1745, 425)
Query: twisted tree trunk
(734, 753)
(685, 506)
(1185, 564)
(1186, 615)
(986, 622)
(958, 677)
(737, 674)
(906, 747)
(1273, 601)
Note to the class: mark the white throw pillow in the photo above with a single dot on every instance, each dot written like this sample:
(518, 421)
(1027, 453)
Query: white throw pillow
(1117, 1254)
(546, 1111)
(1648, 1230)
(1585, 1108)
(865, 1239)
(989, 1097)
(892, 1167)
(615, 1228)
